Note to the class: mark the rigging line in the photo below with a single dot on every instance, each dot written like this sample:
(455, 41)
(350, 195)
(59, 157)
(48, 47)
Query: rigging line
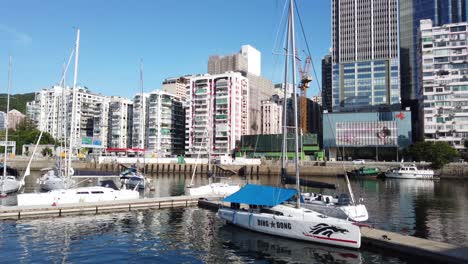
(279, 26)
(315, 73)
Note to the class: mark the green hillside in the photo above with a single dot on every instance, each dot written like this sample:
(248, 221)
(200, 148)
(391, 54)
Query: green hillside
(17, 101)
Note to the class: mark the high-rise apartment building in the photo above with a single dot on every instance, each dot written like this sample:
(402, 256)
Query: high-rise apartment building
(327, 83)
(410, 14)
(120, 122)
(217, 113)
(445, 82)
(165, 126)
(53, 108)
(247, 62)
(176, 86)
(365, 62)
(140, 103)
(2, 120)
(272, 116)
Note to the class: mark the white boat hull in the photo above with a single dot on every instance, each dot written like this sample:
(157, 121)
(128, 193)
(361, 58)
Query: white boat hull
(356, 213)
(399, 175)
(311, 227)
(76, 196)
(9, 185)
(222, 189)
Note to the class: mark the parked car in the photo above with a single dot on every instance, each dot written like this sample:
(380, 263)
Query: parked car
(358, 161)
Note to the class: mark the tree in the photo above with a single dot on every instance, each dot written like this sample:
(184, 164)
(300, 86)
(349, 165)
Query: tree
(438, 153)
(46, 152)
(27, 133)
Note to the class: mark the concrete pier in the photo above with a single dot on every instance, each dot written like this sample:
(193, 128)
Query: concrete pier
(396, 243)
(22, 212)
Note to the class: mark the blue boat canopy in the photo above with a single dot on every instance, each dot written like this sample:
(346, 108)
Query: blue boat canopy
(261, 195)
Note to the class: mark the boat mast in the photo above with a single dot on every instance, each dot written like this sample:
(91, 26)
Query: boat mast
(6, 124)
(72, 127)
(285, 104)
(142, 137)
(296, 134)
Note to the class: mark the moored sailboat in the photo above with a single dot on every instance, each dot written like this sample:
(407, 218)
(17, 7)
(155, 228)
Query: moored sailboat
(278, 211)
(74, 195)
(9, 182)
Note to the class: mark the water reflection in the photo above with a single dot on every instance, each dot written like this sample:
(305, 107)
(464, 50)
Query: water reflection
(430, 209)
(277, 249)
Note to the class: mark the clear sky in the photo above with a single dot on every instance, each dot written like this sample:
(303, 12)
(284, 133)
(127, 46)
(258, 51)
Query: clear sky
(174, 37)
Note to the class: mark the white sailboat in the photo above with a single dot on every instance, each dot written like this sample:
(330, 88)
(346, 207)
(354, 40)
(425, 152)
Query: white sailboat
(212, 188)
(269, 211)
(56, 178)
(132, 177)
(75, 195)
(8, 181)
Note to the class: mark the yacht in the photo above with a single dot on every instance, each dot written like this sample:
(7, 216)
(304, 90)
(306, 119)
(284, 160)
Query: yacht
(77, 195)
(409, 171)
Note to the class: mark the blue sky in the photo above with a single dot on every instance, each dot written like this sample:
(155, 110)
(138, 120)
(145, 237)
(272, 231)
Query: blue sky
(174, 37)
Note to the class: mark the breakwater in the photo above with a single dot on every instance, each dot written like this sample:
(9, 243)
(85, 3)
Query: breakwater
(269, 168)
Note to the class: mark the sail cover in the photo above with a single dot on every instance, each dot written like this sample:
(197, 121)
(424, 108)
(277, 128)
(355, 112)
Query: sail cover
(261, 195)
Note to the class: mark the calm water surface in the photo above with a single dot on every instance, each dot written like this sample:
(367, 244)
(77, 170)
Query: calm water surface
(431, 209)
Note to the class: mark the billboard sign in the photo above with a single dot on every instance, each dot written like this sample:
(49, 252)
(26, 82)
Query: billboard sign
(366, 133)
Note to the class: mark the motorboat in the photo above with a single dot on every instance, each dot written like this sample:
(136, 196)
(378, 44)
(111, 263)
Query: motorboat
(270, 212)
(107, 192)
(409, 171)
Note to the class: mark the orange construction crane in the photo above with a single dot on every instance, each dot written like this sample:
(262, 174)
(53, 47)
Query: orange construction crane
(304, 84)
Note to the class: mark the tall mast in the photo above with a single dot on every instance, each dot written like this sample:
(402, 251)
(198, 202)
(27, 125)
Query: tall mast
(73, 121)
(142, 137)
(6, 122)
(296, 134)
(285, 105)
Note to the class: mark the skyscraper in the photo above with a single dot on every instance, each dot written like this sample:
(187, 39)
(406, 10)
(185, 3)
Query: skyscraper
(327, 83)
(365, 62)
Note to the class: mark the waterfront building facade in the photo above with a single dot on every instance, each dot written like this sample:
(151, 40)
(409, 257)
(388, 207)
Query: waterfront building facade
(14, 118)
(165, 127)
(140, 103)
(52, 110)
(365, 60)
(410, 14)
(366, 135)
(177, 86)
(248, 62)
(327, 83)
(120, 122)
(272, 116)
(217, 114)
(445, 82)
(2, 120)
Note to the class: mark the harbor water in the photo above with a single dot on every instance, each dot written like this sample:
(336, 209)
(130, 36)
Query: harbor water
(429, 209)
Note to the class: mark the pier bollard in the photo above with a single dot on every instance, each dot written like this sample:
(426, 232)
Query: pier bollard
(251, 173)
(152, 168)
(157, 169)
(173, 169)
(162, 169)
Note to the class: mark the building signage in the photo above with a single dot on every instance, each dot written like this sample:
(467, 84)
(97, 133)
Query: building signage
(366, 133)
